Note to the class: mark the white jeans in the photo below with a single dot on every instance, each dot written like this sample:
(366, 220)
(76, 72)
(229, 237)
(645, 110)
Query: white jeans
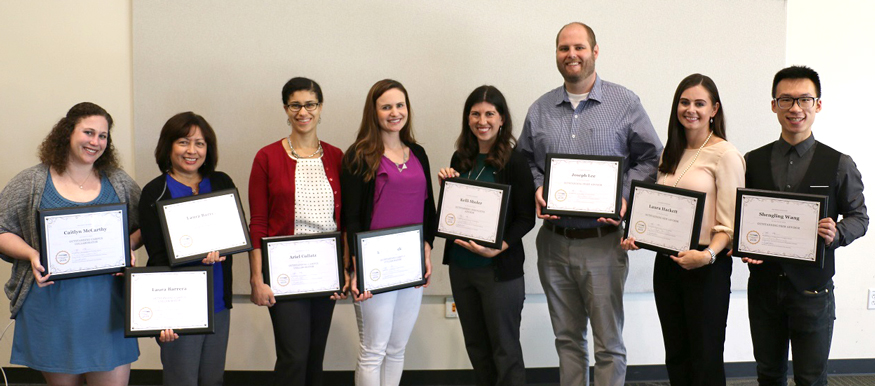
(385, 324)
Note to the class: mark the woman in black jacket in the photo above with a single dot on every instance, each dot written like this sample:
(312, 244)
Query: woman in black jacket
(487, 283)
(187, 155)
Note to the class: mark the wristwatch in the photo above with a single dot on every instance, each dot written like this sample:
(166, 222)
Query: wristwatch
(713, 255)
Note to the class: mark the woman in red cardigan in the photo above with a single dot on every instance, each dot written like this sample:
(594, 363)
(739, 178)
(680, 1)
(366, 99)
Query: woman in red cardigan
(294, 188)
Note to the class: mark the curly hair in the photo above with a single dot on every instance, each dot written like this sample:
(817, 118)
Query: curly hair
(467, 145)
(363, 156)
(54, 151)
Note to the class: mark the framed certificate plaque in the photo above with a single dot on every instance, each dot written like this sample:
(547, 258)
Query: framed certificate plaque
(303, 266)
(779, 226)
(158, 298)
(663, 218)
(390, 259)
(473, 210)
(583, 185)
(194, 226)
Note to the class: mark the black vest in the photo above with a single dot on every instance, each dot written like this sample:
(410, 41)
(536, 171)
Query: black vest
(821, 172)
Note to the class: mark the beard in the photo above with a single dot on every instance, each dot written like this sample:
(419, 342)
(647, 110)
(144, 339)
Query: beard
(587, 68)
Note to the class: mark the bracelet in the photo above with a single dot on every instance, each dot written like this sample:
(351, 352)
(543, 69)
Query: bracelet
(713, 255)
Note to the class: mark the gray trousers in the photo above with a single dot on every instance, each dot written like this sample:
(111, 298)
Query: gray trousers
(197, 360)
(583, 281)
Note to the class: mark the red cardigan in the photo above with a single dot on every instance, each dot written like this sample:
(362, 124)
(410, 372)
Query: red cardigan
(272, 190)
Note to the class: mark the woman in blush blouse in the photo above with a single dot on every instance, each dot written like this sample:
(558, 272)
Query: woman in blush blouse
(187, 154)
(386, 183)
(487, 283)
(692, 288)
(294, 188)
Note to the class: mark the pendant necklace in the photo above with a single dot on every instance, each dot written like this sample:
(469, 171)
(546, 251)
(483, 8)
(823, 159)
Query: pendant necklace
(402, 166)
(691, 162)
(478, 174)
(295, 154)
(82, 185)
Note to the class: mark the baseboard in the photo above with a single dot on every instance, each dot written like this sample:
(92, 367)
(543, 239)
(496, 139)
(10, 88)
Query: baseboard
(641, 373)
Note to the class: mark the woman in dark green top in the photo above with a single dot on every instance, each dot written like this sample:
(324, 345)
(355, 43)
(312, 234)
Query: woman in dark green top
(487, 283)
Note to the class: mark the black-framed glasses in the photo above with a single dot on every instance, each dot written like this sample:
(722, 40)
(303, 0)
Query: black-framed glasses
(295, 107)
(786, 103)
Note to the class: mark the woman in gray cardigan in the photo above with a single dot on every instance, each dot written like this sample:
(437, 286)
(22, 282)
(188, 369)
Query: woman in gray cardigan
(71, 330)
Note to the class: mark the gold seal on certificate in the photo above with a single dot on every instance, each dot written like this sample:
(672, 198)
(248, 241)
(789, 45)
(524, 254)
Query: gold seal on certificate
(303, 266)
(158, 298)
(583, 185)
(473, 210)
(84, 240)
(390, 259)
(779, 226)
(194, 226)
(664, 218)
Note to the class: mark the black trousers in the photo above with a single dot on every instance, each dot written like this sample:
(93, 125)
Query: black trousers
(693, 306)
(490, 313)
(300, 333)
(779, 315)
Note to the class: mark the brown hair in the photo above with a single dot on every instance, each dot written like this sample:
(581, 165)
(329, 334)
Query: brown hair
(677, 136)
(589, 31)
(363, 156)
(467, 145)
(54, 151)
(179, 126)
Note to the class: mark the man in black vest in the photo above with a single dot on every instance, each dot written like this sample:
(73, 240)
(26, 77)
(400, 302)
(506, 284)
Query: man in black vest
(793, 303)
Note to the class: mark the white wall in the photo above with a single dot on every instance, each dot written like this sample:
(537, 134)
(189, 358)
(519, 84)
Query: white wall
(54, 54)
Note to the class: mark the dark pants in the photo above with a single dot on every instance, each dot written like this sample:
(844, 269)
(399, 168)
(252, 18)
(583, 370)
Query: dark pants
(693, 306)
(300, 331)
(197, 360)
(490, 313)
(781, 316)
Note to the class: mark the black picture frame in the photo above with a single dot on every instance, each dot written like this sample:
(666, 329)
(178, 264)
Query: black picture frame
(184, 259)
(129, 275)
(697, 220)
(359, 237)
(589, 214)
(502, 218)
(743, 193)
(46, 215)
(266, 256)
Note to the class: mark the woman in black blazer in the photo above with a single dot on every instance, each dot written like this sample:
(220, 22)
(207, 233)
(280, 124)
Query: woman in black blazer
(487, 283)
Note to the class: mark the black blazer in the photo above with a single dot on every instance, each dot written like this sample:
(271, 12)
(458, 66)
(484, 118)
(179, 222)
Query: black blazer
(150, 228)
(520, 215)
(357, 200)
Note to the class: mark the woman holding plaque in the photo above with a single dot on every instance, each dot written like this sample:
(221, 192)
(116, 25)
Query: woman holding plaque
(71, 330)
(187, 154)
(692, 288)
(386, 183)
(487, 283)
(294, 188)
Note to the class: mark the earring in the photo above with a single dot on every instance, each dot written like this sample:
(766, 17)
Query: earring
(289, 122)
(712, 119)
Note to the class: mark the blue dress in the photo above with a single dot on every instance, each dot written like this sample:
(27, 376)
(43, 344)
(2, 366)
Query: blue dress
(76, 325)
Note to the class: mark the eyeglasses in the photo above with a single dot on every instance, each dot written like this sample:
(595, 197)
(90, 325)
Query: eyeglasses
(295, 107)
(786, 103)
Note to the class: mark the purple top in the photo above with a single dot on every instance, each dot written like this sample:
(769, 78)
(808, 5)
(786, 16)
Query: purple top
(399, 197)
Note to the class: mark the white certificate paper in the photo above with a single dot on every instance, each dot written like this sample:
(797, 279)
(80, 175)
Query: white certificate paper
(303, 266)
(162, 300)
(778, 227)
(200, 226)
(582, 185)
(470, 211)
(391, 260)
(662, 219)
(83, 242)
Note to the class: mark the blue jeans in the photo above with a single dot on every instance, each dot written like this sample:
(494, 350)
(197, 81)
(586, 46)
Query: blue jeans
(779, 315)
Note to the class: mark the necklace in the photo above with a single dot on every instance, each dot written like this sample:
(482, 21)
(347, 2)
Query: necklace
(295, 154)
(403, 165)
(195, 187)
(478, 173)
(691, 162)
(82, 185)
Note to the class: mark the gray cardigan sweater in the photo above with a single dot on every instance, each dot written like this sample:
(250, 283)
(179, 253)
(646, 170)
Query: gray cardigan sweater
(20, 201)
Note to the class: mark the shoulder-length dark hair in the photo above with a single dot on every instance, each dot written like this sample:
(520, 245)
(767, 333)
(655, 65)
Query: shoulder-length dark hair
(363, 156)
(180, 126)
(55, 148)
(467, 145)
(677, 136)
